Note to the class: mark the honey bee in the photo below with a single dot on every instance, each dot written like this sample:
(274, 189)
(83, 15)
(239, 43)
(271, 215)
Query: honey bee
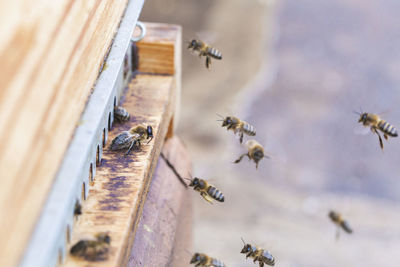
(376, 123)
(202, 260)
(238, 126)
(340, 222)
(205, 50)
(133, 137)
(120, 114)
(255, 152)
(258, 254)
(207, 191)
(92, 250)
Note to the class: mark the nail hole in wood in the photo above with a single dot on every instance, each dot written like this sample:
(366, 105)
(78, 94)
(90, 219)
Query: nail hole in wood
(83, 191)
(126, 66)
(91, 178)
(98, 159)
(109, 121)
(104, 137)
(77, 208)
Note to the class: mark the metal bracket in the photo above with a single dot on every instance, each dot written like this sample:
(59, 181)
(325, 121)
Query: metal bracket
(47, 246)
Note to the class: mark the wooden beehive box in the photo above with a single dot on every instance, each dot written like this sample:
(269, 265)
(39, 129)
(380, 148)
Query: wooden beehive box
(53, 54)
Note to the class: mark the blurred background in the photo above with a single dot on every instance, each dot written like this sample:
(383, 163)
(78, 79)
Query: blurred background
(296, 70)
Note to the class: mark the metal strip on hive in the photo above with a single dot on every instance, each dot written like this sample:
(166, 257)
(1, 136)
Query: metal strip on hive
(49, 238)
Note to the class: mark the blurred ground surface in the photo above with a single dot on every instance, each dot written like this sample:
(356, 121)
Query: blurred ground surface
(330, 58)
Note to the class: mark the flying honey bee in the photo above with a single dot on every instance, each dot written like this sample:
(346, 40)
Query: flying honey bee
(340, 222)
(258, 254)
(207, 191)
(133, 137)
(205, 50)
(255, 152)
(120, 114)
(202, 260)
(376, 123)
(92, 250)
(238, 126)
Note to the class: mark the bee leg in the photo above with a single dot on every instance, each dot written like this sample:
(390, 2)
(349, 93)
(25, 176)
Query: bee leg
(241, 157)
(208, 62)
(206, 197)
(337, 233)
(386, 137)
(261, 264)
(380, 138)
(241, 137)
(130, 148)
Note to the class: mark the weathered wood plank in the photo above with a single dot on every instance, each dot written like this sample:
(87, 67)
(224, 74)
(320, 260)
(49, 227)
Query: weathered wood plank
(164, 232)
(160, 51)
(157, 50)
(116, 199)
(51, 52)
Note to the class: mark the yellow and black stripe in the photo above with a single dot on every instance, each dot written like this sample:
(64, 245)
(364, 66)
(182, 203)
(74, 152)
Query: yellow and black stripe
(215, 194)
(211, 51)
(387, 129)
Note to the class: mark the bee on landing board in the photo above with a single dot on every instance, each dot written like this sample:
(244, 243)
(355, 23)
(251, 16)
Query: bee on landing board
(255, 152)
(376, 123)
(258, 254)
(202, 260)
(92, 250)
(340, 222)
(205, 50)
(207, 191)
(120, 114)
(238, 126)
(133, 137)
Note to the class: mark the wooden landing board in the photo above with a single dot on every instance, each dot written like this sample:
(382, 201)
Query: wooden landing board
(50, 53)
(120, 187)
(164, 231)
(160, 51)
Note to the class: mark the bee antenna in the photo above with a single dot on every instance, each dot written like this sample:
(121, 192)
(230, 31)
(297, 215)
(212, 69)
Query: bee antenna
(244, 243)
(219, 115)
(188, 252)
(356, 112)
(187, 179)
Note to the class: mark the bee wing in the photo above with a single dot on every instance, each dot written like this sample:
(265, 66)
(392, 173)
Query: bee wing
(275, 151)
(209, 37)
(121, 141)
(361, 130)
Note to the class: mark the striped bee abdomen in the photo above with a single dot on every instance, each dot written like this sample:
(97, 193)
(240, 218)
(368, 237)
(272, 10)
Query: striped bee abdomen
(268, 258)
(386, 128)
(249, 129)
(215, 194)
(214, 53)
(346, 227)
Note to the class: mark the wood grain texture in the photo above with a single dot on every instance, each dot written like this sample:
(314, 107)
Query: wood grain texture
(160, 51)
(159, 48)
(121, 183)
(164, 231)
(51, 52)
